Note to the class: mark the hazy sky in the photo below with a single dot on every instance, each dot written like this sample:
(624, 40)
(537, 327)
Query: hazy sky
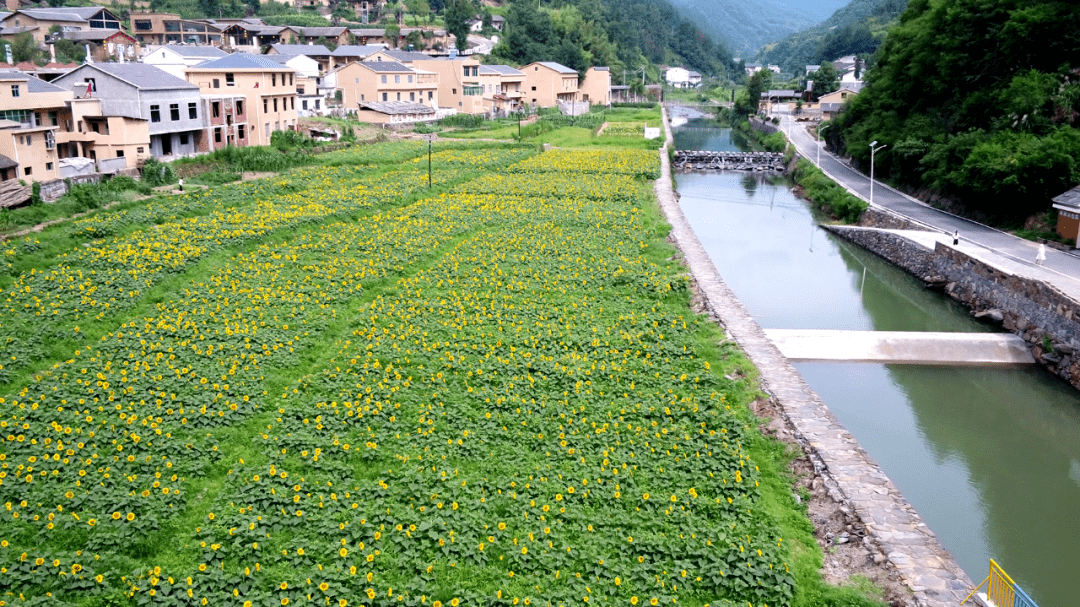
(819, 9)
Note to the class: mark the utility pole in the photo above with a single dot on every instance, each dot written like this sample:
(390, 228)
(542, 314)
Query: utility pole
(430, 139)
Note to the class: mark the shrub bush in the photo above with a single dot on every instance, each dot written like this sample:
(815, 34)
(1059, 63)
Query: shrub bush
(828, 194)
(156, 173)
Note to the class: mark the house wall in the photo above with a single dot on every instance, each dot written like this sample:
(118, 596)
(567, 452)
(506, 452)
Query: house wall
(257, 87)
(37, 162)
(1068, 225)
(596, 88)
(544, 87)
(453, 82)
(358, 83)
(21, 20)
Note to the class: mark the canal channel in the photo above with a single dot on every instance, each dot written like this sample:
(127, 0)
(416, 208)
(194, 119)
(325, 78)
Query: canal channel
(989, 456)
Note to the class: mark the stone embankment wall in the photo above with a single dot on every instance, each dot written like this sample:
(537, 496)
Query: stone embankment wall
(1042, 315)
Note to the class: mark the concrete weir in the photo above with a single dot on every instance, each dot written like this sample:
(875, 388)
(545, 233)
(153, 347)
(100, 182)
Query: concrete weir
(901, 347)
(894, 527)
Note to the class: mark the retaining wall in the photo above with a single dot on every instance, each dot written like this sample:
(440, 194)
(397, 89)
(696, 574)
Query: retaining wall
(1038, 312)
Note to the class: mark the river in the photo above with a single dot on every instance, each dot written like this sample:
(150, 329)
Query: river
(989, 456)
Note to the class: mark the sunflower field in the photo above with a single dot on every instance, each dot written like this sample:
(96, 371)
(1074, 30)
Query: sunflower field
(339, 387)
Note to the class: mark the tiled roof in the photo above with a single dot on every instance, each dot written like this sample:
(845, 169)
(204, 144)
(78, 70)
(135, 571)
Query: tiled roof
(367, 31)
(505, 70)
(1069, 199)
(311, 50)
(396, 107)
(97, 34)
(357, 50)
(33, 84)
(558, 67)
(386, 66)
(831, 107)
(241, 61)
(210, 52)
(603, 68)
(142, 76)
(407, 56)
(322, 31)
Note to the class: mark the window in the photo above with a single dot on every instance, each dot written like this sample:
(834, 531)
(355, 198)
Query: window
(410, 78)
(37, 119)
(265, 105)
(384, 78)
(193, 110)
(239, 107)
(454, 91)
(29, 140)
(277, 126)
(412, 96)
(217, 83)
(48, 166)
(275, 104)
(183, 138)
(174, 111)
(143, 26)
(534, 88)
(119, 153)
(14, 90)
(273, 79)
(399, 96)
(54, 119)
(357, 80)
(292, 103)
(267, 130)
(290, 79)
(397, 80)
(215, 109)
(230, 79)
(385, 97)
(300, 90)
(240, 131)
(361, 96)
(28, 171)
(50, 140)
(303, 104)
(316, 104)
(140, 150)
(93, 83)
(217, 135)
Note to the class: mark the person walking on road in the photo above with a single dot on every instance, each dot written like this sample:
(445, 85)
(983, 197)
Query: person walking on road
(956, 238)
(1040, 257)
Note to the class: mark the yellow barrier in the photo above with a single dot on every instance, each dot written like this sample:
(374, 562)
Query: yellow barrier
(1001, 590)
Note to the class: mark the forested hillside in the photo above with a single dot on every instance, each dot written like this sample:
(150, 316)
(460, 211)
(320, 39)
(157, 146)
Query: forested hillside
(616, 33)
(748, 25)
(978, 100)
(858, 28)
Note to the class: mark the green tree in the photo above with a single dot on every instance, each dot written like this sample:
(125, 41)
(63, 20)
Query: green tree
(415, 40)
(826, 79)
(457, 21)
(342, 10)
(756, 84)
(418, 8)
(24, 48)
(393, 33)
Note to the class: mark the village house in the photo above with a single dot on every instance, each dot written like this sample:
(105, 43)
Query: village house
(386, 81)
(596, 87)
(459, 83)
(395, 112)
(502, 88)
(1068, 208)
(174, 59)
(251, 36)
(105, 44)
(317, 52)
(38, 21)
(429, 38)
(348, 53)
(310, 92)
(369, 11)
(169, 105)
(268, 88)
(682, 78)
(31, 111)
(169, 28)
(547, 83)
(226, 121)
(335, 36)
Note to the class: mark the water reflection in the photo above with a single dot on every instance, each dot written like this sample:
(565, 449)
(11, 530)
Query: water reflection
(990, 457)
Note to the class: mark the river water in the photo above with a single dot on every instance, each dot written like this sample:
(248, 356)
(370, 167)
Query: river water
(989, 456)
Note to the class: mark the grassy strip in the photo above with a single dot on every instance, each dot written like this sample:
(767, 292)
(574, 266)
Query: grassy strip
(828, 195)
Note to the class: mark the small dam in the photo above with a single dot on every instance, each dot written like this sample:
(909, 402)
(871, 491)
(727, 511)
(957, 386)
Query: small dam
(689, 160)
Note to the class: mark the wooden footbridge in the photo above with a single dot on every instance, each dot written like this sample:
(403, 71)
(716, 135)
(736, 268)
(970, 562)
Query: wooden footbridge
(728, 161)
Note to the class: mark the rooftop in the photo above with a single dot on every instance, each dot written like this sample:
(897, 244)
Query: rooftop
(396, 107)
(386, 66)
(1070, 198)
(558, 67)
(240, 61)
(357, 50)
(311, 50)
(210, 52)
(34, 85)
(140, 75)
(504, 70)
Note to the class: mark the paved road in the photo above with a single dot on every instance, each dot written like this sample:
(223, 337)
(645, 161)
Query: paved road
(1061, 269)
(478, 45)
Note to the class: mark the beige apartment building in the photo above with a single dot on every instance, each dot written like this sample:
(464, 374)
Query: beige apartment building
(268, 87)
(596, 87)
(547, 83)
(31, 111)
(459, 83)
(386, 81)
(113, 142)
(169, 28)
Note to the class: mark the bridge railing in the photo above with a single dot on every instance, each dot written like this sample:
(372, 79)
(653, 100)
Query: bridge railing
(1001, 590)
